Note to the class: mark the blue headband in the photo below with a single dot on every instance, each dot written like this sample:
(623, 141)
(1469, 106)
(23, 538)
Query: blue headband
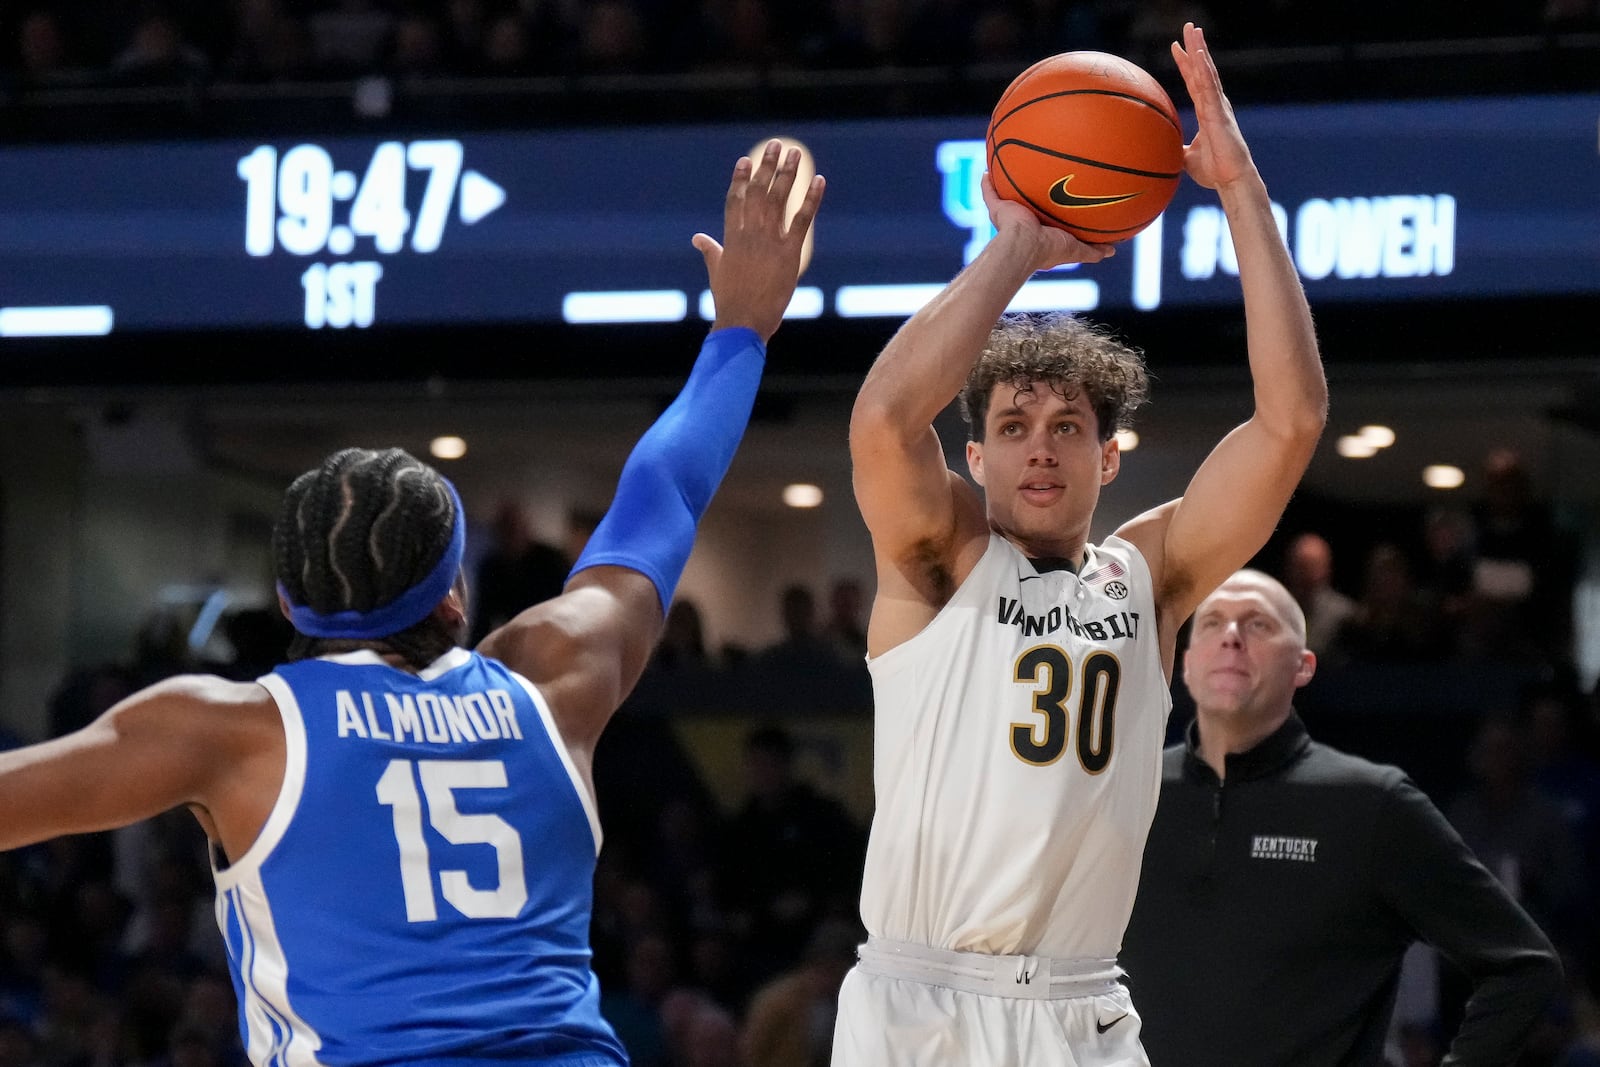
(405, 611)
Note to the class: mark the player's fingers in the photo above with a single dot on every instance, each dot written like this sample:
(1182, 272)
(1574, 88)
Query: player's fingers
(1205, 88)
(1189, 56)
(1084, 252)
(1211, 67)
(783, 183)
(761, 180)
(709, 250)
(736, 189)
(807, 211)
(1202, 53)
(990, 197)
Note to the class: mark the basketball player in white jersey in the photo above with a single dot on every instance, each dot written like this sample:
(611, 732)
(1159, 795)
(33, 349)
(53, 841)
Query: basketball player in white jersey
(1021, 674)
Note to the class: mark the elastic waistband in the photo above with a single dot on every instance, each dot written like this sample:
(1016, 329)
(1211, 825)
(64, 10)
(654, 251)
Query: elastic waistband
(1021, 977)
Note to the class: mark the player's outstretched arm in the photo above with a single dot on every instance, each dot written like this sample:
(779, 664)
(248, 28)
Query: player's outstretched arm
(182, 741)
(587, 647)
(916, 509)
(1238, 494)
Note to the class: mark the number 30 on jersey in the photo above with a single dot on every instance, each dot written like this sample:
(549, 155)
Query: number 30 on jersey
(1056, 677)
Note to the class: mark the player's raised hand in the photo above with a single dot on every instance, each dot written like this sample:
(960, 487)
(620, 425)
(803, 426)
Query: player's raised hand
(1218, 154)
(754, 269)
(1055, 245)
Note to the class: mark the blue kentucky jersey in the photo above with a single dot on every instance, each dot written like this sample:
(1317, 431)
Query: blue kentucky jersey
(422, 890)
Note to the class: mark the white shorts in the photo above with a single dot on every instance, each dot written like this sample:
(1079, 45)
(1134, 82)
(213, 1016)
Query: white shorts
(912, 1006)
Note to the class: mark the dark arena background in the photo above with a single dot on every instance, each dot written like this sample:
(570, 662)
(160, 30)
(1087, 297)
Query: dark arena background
(236, 236)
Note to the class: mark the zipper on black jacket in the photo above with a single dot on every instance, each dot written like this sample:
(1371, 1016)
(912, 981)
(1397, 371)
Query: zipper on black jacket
(1216, 827)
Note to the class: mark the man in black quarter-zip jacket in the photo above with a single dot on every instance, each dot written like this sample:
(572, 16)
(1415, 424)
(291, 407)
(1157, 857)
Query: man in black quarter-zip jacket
(1283, 880)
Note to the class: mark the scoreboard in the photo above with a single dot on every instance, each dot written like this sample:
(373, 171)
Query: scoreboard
(1416, 200)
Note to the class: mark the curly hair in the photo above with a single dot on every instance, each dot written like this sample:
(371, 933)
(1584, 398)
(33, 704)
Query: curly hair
(355, 534)
(1065, 351)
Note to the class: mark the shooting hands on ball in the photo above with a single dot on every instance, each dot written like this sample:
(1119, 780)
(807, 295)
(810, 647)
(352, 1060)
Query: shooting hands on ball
(754, 269)
(1055, 246)
(1218, 155)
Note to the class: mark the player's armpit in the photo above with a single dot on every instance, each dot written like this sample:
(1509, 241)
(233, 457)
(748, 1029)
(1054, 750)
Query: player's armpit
(586, 648)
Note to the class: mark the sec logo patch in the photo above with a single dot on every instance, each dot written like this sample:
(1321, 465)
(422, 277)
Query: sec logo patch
(1116, 591)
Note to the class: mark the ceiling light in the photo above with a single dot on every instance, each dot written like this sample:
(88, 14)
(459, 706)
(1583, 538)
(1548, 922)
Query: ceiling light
(1442, 476)
(1354, 446)
(1127, 440)
(802, 495)
(447, 447)
(1380, 436)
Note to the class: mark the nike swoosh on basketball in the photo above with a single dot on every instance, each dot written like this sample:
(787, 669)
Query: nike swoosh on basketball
(1062, 198)
(1103, 1027)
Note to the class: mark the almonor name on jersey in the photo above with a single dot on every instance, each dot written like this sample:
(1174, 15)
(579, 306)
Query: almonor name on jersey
(428, 718)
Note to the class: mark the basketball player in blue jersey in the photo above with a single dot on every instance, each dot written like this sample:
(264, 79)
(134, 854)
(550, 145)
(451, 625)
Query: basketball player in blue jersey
(406, 830)
(1021, 674)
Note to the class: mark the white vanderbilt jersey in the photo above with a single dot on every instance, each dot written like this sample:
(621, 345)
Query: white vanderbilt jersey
(1017, 760)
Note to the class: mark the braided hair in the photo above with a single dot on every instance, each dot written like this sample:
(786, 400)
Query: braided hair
(356, 533)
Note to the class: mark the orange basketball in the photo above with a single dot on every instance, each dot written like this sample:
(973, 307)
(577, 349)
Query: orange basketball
(1089, 141)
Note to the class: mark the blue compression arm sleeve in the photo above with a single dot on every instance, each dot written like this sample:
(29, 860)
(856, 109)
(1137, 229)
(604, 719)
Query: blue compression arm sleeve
(678, 463)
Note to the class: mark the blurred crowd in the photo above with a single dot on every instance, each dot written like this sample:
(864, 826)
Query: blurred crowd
(1487, 582)
(67, 43)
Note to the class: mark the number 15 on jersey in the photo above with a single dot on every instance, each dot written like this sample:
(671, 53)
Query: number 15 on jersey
(441, 779)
